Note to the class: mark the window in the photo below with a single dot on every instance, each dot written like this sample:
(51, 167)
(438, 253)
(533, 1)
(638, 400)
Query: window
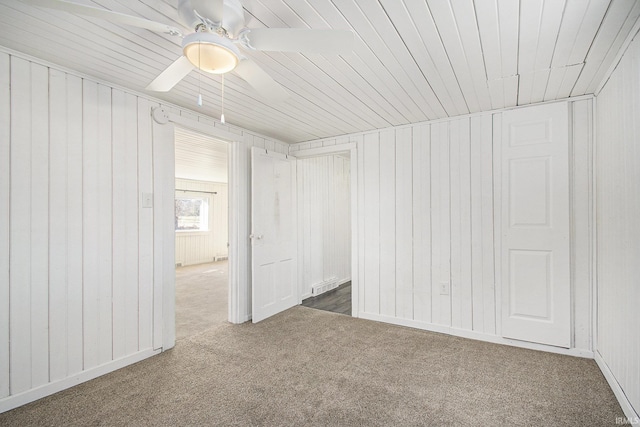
(192, 214)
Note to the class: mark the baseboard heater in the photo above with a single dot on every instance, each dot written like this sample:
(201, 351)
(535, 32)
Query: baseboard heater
(322, 287)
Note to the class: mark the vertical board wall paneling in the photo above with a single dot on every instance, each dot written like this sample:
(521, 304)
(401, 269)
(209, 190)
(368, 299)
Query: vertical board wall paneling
(359, 258)
(132, 226)
(488, 231)
(435, 206)
(371, 220)
(321, 214)
(74, 226)
(455, 215)
(72, 167)
(58, 222)
(65, 237)
(345, 218)
(329, 226)
(39, 225)
(440, 229)
(316, 185)
(404, 224)
(451, 221)
(5, 223)
(461, 290)
(104, 218)
(20, 238)
(388, 261)
(618, 231)
(164, 235)
(324, 204)
(497, 219)
(581, 221)
(125, 225)
(97, 239)
(145, 224)
(482, 250)
(300, 211)
(421, 204)
(120, 217)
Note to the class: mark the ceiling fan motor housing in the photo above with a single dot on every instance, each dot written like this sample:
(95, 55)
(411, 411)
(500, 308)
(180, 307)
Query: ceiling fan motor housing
(232, 16)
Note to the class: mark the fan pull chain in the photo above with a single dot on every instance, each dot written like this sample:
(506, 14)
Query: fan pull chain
(222, 105)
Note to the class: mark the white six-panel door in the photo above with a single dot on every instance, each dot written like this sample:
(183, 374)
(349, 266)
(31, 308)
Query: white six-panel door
(535, 260)
(274, 233)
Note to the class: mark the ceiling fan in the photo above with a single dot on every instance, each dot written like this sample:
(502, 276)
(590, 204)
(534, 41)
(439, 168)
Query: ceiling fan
(212, 46)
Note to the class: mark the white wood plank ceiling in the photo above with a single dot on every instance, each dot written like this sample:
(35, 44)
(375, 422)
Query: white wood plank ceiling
(200, 157)
(414, 60)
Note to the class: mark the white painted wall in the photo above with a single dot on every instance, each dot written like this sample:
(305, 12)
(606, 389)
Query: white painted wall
(324, 195)
(197, 247)
(618, 230)
(84, 268)
(426, 219)
(79, 280)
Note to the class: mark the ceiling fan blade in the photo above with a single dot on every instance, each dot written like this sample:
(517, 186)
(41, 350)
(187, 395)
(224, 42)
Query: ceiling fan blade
(172, 75)
(338, 42)
(107, 15)
(210, 9)
(262, 82)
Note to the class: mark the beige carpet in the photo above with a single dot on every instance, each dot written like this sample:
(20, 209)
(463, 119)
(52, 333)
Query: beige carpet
(311, 367)
(201, 297)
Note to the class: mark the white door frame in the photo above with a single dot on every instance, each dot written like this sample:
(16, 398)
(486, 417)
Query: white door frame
(164, 285)
(351, 149)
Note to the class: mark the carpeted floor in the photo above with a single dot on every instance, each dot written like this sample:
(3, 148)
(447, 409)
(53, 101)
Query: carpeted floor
(201, 297)
(312, 367)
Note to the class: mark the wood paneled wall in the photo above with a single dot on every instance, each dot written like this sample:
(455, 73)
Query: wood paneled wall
(83, 264)
(426, 224)
(618, 232)
(418, 217)
(79, 292)
(324, 192)
(205, 246)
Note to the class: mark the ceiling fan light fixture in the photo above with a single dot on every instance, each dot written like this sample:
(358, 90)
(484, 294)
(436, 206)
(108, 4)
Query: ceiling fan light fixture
(211, 52)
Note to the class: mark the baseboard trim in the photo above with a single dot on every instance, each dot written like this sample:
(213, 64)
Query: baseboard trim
(463, 333)
(626, 406)
(12, 402)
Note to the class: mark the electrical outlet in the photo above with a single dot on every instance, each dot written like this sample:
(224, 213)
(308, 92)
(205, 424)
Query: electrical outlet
(444, 288)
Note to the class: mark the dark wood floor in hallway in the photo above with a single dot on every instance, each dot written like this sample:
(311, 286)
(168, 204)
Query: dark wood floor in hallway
(337, 300)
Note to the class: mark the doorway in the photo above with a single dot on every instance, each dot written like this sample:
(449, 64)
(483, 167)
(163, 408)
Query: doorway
(201, 232)
(324, 197)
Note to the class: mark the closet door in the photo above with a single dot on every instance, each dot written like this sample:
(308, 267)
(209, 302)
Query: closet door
(274, 242)
(533, 147)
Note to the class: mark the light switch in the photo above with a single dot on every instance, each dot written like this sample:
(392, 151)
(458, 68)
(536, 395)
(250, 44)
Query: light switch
(444, 288)
(147, 200)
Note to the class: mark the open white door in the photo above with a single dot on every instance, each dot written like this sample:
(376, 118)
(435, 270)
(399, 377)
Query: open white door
(274, 227)
(535, 225)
